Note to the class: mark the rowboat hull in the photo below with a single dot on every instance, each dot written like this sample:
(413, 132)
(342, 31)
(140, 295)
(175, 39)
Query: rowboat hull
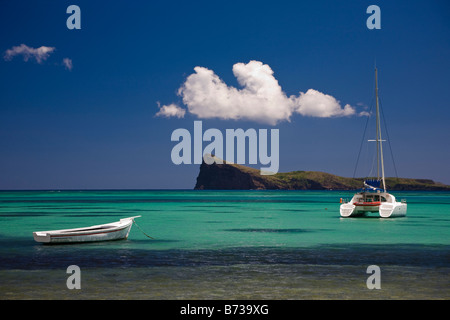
(105, 232)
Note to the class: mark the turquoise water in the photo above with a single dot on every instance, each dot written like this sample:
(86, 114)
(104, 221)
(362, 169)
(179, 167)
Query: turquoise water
(224, 245)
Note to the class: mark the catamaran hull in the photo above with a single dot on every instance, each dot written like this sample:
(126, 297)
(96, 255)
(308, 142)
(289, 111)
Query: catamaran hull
(393, 210)
(385, 210)
(355, 211)
(347, 210)
(113, 231)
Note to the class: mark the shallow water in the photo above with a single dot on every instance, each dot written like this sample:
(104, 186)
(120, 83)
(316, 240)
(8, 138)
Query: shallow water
(224, 245)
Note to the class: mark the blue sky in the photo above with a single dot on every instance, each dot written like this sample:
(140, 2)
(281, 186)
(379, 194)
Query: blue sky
(94, 126)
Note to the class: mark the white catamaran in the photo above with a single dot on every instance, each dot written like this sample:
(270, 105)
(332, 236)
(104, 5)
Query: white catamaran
(374, 197)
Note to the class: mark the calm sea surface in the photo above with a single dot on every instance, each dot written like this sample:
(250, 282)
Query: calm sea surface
(224, 245)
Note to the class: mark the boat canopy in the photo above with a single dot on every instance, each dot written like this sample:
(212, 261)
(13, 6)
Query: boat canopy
(372, 185)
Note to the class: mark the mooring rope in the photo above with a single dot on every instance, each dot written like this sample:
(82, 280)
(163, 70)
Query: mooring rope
(142, 230)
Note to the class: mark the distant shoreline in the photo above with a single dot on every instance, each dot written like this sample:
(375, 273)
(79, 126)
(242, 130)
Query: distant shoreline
(196, 190)
(238, 177)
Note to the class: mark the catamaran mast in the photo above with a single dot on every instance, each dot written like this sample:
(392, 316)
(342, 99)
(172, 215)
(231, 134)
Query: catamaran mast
(379, 141)
(378, 134)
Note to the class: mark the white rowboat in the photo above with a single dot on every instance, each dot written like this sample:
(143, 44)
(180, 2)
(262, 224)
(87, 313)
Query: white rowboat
(103, 232)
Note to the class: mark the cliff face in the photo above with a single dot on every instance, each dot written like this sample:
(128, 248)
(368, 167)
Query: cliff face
(231, 177)
(237, 177)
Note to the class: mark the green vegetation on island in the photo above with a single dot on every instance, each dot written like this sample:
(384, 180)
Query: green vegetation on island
(238, 177)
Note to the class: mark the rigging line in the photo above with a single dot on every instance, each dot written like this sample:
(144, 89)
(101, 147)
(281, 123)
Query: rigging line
(373, 166)
(362, 140)
(389, 139)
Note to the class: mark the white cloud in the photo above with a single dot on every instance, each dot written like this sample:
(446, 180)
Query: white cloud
(172, 110)
(68, 64)
(39, 54)
(364, 114)
(261, 98)
(317, 104)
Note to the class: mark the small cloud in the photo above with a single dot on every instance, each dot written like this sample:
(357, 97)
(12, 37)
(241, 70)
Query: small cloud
(39, 54)
(68, 64)
(317, 104)
(364, 114)
(172, 110)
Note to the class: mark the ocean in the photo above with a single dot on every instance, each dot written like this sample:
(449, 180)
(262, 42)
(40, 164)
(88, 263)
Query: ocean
(224, 245)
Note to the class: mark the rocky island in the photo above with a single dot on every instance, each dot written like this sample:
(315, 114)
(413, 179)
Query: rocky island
(229, 176)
